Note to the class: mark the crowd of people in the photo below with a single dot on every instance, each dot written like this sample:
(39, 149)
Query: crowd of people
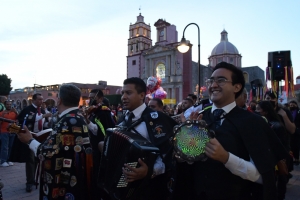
(255, 147)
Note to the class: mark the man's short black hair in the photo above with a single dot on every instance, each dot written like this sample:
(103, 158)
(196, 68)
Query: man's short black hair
(237, 75)
(34, 97)
(194, 97)
(105, 102)
(190, 100)
(140, 85)
(98, 92)
(158, 101)
(271, 94)
(69, 95)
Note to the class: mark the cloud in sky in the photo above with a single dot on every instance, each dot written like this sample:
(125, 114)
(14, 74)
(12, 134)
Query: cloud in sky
(52, 42)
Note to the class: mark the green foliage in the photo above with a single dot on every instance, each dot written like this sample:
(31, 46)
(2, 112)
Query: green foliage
(5, 85)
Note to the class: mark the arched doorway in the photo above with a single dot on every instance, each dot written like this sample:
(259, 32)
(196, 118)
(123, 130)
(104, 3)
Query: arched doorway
(50, 103)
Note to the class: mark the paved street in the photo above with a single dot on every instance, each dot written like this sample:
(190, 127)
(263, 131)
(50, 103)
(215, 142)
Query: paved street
(14, 184)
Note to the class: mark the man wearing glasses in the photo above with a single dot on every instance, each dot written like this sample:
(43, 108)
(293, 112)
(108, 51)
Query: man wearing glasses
(241, 158)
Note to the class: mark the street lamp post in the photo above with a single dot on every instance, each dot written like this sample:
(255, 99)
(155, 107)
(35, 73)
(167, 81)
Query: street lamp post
(183, 47)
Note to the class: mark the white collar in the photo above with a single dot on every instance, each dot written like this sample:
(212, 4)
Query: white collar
(138, 111)
(67, 111)
(34, 105)
(226, 108)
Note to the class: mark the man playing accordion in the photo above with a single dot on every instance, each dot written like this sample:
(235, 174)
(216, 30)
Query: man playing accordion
(155, 127)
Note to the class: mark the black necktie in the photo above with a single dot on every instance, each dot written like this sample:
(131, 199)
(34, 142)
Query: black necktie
(129, 119)
(217, 115)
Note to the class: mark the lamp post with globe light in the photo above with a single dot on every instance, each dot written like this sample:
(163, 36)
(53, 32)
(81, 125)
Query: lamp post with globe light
(184, 46)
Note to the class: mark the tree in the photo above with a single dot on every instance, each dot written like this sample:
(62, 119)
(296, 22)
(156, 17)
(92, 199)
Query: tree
(5, 85)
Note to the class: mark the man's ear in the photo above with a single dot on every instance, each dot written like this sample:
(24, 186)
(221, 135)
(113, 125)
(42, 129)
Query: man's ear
(237, 87)
(143, 95)
(58, 101)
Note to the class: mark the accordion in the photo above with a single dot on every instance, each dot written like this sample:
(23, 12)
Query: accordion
(120, 148)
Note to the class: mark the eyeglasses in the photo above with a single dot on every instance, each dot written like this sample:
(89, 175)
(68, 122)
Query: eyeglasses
(219, 81)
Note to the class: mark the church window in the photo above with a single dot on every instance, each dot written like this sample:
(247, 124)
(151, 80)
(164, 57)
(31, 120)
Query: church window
(131, 48)
(220, 60)
(231, 60)
(161, 72)
(134, 62)
(137, 47)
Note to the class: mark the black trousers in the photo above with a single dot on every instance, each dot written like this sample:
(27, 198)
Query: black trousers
(30, 168)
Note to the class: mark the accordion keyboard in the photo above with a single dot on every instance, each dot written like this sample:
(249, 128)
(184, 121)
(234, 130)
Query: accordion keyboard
(122, 182)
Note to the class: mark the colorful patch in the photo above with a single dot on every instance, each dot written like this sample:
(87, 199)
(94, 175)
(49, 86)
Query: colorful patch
(57, 178)
(49, 154)
(76, 129)
(45, 189)
(77, 148)
(73, 121)
(47, 177)
(69, 196)
(85, 129)
(58, 140)
(65, 128)
(67, 140)
(73, 181)
(58, 163)
(154, 115)
(62, 192)
(88, 150)
(47, 164)
(65, 177)
(78, 140)
(81, 141)
(67, 163)
(55, 192)
(70, 115)
(86, 140)
(56, 151)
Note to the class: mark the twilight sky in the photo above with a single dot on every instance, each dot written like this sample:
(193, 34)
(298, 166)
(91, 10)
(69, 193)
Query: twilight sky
(58, 41)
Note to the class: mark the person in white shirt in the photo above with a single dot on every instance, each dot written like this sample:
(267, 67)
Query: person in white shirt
(241, 157)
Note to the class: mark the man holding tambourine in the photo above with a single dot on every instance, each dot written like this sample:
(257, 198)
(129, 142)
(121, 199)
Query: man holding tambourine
(236, 160)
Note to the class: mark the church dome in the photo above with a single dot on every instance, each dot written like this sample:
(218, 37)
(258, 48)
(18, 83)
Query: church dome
(224, 46)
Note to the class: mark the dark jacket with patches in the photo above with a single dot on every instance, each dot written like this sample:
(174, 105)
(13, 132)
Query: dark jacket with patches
(160, 131)
(66, 160)
(20, 150)
(245, 135)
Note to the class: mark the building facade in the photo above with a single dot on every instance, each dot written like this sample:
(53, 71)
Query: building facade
(227, 52)
(23, 97)
(178, 73)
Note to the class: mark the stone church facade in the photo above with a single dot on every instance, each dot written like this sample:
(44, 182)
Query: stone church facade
(179, 74)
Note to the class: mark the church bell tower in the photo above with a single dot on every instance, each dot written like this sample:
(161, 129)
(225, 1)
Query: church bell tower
(139, 40)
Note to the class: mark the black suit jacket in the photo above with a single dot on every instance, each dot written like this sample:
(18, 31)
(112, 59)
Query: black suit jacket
(256, 139)
(20, 151)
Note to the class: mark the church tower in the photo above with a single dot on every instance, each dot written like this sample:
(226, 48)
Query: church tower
(139, 41)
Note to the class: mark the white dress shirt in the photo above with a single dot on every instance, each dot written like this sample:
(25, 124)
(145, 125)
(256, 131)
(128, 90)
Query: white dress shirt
(37, 119)
(159, 166)
(238, 166)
